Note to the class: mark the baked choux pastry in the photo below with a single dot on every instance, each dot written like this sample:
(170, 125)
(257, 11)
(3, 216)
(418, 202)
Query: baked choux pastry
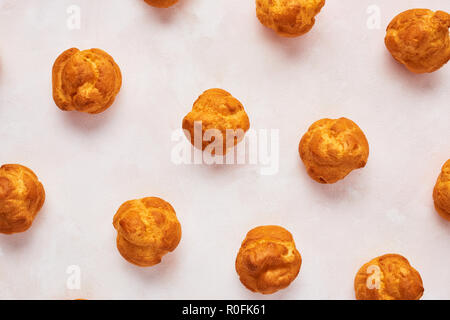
(268, 260)
(419, 39)
(389, 277)
(288, 18)
(161, 3)
(332, 148)
(147, 229)
(86, 81)
(441, 193)
(21, 198)
(216, 111)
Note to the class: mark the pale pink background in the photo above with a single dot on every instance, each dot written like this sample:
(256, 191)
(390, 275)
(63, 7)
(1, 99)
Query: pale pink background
(91, 164)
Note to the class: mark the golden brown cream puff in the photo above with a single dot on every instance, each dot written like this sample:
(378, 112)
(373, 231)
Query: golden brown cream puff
(219, 114)
(86, 81)
(332, 148)
(441, 192)
(147, 229)
(389, 277)
(268, 260)
(288, 18)
(21, 198)
(419, 39)
(161, 3)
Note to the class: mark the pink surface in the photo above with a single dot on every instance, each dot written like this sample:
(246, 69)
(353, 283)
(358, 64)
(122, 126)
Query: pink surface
(90, 165)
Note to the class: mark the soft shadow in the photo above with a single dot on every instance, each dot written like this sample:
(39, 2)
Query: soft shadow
(217, 163)
(424, 81)
(86, 121)
(156, 273)
(339, 191)
(166, 15)
(440, 220)
(16, 241)
(246, 294)
(292, 47)
(221, 167)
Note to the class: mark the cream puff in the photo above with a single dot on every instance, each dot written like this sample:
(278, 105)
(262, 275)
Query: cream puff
(147, 229)
(332, 148)
(288, 18)
(221, 121)
(389, 277)
(161, 3)
(268, 260)
(441, 192)
(21, 198)
(419, 39)
(86, 81)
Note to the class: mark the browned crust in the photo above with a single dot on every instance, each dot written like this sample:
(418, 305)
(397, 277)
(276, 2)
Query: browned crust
(268, 260)
(161, 3)
(147, 229)
(332, 148)
(217, 109)
(288, 18)
(398, 280)
(86, 81)
(419, 39)
(21, 198)
(441, 192)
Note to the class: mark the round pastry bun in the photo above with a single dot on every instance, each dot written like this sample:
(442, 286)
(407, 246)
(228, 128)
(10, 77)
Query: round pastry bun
(147, 229)
(332, 148)
(268, 260)
(441, 192)
(86, 81)
(161, 3)
(419, 39)
(21, 198)
(388, 277)
(288, 18)
(219, 113)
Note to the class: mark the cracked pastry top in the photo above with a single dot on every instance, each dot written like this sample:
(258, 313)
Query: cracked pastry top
(268, 260)
(419, 39)
(86, 81)
(147, 229)
(221, 118)
(388, 277)
(288, 18)
(21, 198)
(161, 3)
(332, 148)
(441, 192)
